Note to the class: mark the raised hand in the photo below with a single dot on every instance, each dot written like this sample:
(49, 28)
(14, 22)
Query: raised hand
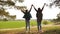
(44, 3)
(32, 5)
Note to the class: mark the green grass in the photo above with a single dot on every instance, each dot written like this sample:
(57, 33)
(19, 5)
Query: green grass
(18, 24)
(47, 30)
(14, 24)
(45, 22)
(11, 24)
(52, 30)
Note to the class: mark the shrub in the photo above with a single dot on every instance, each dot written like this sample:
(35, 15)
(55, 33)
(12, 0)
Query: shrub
(45, 22)
(5, 19)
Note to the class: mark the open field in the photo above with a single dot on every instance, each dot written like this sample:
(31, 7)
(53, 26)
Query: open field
(14, 24)
(17, 24)
(18, 27)
(54, 29)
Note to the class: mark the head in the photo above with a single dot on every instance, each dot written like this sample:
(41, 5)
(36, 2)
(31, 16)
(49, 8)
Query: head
(26, 10)
(39, 9)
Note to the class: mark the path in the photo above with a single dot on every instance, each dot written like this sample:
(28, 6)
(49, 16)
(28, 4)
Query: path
(24, 27)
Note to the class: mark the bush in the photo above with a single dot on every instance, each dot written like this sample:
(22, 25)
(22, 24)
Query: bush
(5, 19)
(57, 23)
(45, 22)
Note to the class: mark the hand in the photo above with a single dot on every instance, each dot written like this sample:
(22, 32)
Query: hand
(32, 5)
(44, 3)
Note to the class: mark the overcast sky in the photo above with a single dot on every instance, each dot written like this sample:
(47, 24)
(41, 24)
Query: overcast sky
(48, 13)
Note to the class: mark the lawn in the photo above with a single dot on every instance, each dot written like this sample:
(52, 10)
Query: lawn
(47, 30)
(15, 24)
(54, 29)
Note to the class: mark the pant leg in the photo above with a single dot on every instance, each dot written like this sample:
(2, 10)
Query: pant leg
(27, 24)
(40, 27)
(39, 24)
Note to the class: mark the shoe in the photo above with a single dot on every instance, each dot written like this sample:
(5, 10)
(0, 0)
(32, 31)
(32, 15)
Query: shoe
(26, 31)
(40, 31)
(29, 31)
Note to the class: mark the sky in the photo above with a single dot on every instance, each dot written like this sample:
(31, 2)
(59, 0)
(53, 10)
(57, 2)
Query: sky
(48, 13)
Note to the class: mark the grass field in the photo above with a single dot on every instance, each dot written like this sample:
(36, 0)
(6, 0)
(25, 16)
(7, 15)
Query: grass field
(14, 24)
(46, 30)
(54, 29)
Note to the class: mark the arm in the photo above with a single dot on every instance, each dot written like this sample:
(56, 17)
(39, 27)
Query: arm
(23, 11)
(30, 9)
(43, 6)
(35, 8)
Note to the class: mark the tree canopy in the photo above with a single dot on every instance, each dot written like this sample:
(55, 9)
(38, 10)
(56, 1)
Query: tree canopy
(56, 3)
(9, 3)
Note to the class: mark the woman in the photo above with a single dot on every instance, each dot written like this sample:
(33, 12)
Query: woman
(27, 17)
(39, 16)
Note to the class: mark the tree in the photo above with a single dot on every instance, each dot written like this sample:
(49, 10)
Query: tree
(9, 4)
(57, 20)
(5, 15)
(12, 17)
(58, 17)
(56, 3)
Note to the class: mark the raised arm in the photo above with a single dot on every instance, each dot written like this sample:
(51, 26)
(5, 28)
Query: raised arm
(30, 9)
(43, 6)
(22, 11)
(34, 8)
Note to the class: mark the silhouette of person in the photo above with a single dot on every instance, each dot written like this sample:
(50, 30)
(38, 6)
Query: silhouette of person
(39, 16)
(27, 17)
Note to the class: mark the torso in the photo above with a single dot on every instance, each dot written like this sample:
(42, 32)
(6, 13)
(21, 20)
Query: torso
(27, 16)
(39, 14)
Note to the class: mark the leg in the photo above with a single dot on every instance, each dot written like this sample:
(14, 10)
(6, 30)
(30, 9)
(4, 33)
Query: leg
(26, 24)
(38, 24)
(29, 24)
(40, 30)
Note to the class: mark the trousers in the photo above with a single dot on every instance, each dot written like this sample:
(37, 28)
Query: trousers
(27, 25)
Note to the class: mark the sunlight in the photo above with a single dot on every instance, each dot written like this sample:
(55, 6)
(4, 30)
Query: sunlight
(48, 13)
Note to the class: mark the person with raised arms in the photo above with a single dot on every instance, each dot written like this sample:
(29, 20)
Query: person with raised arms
(27, 16)
(39, 17)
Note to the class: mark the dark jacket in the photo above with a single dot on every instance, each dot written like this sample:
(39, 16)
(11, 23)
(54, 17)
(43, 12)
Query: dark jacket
(39, 14)
(27, 15)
